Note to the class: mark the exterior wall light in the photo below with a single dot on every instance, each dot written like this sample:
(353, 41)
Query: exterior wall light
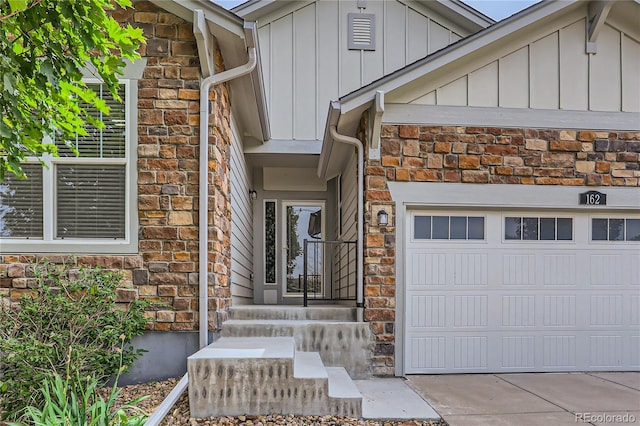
(253, 194)
(383, 218)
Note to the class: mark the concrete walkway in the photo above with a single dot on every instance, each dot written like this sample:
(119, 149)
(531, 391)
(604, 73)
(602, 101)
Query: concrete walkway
(392, 398)
(533, 399)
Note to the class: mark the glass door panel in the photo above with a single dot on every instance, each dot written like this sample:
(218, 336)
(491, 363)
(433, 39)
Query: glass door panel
(303, 221)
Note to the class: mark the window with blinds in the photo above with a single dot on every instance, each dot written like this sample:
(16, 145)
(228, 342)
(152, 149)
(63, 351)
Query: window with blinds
(109, 141)
(21, 209)
(80, 197)
(90, 201)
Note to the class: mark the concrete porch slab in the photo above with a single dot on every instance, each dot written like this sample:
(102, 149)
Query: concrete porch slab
(392, 398)
(630, 379)
(242, 347)
(477, 394)
(577, 392)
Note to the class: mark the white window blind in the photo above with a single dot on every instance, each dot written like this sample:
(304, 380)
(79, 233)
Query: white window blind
(90, 201)
(75, 198)
(109, 141)
(21, 208)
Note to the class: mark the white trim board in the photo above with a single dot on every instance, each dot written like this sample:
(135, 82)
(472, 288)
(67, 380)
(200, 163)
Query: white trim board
(510, 117)
(509, 196)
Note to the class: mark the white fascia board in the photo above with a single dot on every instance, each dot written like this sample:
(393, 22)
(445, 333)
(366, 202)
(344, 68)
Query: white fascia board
(252, 40)
(509, 117)
(333, 116)
(452, 53)
(214, 13)
(467, 12)
(505, 196)
(282, 146)
(251, 6)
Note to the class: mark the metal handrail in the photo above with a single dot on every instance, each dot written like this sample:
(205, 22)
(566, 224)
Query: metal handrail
(346, 269)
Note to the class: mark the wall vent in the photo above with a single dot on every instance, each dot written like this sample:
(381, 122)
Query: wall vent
(362, 31)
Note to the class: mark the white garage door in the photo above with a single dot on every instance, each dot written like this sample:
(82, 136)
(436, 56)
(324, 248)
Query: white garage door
(490, 291)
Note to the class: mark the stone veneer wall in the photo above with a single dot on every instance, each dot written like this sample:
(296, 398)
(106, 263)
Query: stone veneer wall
(165, 269)
(412, 153)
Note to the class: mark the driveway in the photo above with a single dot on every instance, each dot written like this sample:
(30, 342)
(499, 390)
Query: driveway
(533, 399)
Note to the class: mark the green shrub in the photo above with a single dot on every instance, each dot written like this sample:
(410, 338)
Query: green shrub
(69, 325)
(77, 402)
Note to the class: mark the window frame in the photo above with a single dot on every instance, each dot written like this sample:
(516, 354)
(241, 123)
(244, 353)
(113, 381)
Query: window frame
(449, 240)
(608, 217)
(536, 215)
(49, 243)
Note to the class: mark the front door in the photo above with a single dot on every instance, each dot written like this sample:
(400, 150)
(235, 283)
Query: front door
(303, 220)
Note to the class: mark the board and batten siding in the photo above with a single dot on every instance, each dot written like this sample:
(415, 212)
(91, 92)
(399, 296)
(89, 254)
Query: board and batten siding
(550, 72)
(306, 62)
(241, 225)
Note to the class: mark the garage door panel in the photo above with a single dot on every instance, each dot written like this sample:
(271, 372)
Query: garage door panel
(470, 352)
(606, 351)
(518, 352)
(427, 269)
(634, 308)
(634, 351)
(428, 311)
(559, 310)
(559, 351)
(606, 310)
(559, 269)
(634, 269)
(470, 310)
(518, 269)
(607, 269)
(518, 310)
(508, 306)
(427, 352)
(469, 269)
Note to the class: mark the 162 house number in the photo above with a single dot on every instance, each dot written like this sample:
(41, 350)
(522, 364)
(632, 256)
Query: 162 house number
(593, 198)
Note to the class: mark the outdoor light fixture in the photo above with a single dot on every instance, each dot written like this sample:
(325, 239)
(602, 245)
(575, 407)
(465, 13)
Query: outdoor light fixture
(383, 218)
(253, 194)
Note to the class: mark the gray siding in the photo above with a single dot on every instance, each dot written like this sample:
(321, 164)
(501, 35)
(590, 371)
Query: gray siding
(345, 261)
(241, 226)
(306, 62)
(550, 70)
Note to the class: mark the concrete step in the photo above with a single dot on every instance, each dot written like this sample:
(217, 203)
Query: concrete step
(340, 384)
(308, 365)
(263, 375)
(340, 344)
(279, 312)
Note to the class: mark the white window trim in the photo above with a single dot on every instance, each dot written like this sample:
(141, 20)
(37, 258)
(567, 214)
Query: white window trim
(128, 245)
(610, 216)
(442, 241)
(539, 215)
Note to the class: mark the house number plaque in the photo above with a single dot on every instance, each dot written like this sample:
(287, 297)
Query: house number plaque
(593, 198)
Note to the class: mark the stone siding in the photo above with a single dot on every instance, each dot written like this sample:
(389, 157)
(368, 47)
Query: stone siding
(412, 153)
(165, 269)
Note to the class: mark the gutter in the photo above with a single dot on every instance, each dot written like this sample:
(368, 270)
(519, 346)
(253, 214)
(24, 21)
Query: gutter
(337, 137)
(203, 196)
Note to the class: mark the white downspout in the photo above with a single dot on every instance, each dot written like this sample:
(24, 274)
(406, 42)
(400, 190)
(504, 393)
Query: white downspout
(203, 248)
(360, 245)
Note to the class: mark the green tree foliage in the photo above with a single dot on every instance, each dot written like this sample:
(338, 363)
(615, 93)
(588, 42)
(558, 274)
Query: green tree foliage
(44, 46)
(67, 324)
